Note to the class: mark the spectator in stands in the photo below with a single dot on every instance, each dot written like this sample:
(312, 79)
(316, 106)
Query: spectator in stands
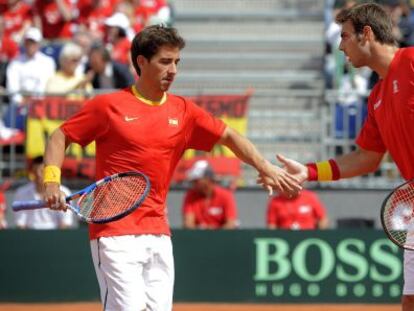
(301, 212)
(92, 15)
(3, 206)
(143, 13)
(56, 18)
(8, 51)
(66, 80)
(150, 12)
(116, 37)
(206, 204)
(29, 72)
(107, 74)
(18, 18)
(84, 39)
(40, 218)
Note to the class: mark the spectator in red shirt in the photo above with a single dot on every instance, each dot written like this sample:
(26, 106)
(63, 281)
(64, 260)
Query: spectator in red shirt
(93, 13)
(149, 12)
(301, 212)
(56, 18)
(8, 50)
(207, 205)
(17, 18)
(118, 43)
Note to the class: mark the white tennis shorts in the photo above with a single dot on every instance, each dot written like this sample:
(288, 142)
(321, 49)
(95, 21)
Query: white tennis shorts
(408, 273)
(135, 272)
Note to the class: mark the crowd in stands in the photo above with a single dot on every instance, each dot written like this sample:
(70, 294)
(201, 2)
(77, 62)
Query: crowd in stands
(67, 46)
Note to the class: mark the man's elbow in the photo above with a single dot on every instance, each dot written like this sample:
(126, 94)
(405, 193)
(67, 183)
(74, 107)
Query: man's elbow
(227, 137)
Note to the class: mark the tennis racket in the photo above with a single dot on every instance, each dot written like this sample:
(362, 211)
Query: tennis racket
(397, 215)
(108, 199)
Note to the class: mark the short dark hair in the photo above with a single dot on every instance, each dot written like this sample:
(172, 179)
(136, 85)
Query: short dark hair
(102, 50)
(37, 160)
(148, 42)
(369, 14)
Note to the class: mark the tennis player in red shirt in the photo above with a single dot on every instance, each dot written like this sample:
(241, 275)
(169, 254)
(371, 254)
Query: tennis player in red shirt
(367, 40)
(144, 128)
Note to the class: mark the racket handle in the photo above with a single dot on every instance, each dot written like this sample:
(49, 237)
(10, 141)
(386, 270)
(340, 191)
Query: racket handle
(28, 205)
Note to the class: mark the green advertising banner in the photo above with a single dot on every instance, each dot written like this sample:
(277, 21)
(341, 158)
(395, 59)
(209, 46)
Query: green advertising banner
(217, 266)
(287, 266)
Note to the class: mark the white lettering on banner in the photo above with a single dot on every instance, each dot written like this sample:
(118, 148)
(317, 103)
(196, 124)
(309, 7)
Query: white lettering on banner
(359, 269)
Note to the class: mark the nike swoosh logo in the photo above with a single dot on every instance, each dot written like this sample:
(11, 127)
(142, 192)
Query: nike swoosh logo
(129, 119)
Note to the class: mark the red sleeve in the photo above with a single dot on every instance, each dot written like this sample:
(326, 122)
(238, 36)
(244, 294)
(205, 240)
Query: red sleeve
(370, 138)
(271, 218)
(205, 131)
(230, 206)
(89, 123)
(2, 202)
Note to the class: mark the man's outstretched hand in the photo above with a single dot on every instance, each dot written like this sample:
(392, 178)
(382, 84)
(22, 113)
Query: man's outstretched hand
(286, 180)
(275, 178)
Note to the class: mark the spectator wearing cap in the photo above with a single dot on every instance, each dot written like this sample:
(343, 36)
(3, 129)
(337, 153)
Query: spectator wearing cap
(106, 73)
(208, 205)
(116, 36)
(27, 73)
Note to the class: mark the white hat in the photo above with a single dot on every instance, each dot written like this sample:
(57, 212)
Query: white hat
(200, 169)
(34, 34)
(118, 19)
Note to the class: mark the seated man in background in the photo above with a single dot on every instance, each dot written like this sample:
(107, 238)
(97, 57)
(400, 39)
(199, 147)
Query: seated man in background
(106, 73)
(207, 205)
(301, 212)
(43, 218)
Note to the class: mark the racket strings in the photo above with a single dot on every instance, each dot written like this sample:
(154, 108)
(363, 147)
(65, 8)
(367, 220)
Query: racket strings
(398, 216)
(113, 198)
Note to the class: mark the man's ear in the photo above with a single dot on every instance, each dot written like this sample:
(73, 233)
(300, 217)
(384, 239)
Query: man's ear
(141, 61)
(368, 34)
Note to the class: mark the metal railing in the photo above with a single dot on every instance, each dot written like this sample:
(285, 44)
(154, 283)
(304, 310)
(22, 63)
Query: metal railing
(305, 125)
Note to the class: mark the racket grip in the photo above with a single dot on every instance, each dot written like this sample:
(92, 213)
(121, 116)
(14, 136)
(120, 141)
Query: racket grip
(28, 205)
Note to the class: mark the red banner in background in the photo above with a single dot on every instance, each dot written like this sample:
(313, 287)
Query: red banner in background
(48, 113)
(232, 109)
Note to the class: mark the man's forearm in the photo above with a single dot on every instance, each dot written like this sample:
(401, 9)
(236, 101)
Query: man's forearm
(243, 149)
(358, 162)
(55, 149)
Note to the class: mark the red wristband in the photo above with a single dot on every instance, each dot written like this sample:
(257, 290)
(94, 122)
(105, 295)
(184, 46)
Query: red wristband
(312, 171)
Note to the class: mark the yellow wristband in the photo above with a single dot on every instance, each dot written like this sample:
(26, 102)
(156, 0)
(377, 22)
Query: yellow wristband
(51, 173)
